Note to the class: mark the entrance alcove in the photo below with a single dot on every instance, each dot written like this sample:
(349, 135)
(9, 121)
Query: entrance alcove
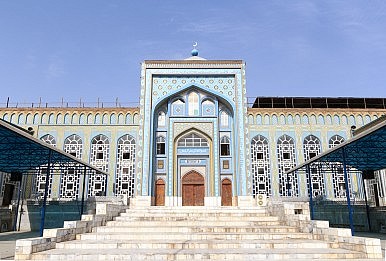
(193, 189)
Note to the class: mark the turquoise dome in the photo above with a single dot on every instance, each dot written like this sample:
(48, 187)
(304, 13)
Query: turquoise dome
(194, 52)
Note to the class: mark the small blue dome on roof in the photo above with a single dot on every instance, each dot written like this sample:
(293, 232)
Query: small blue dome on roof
(194, 52)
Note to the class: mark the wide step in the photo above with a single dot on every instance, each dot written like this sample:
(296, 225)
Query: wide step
(193, 244)
(198, 229)
(195, 236)
(192, 254)
(197, 233)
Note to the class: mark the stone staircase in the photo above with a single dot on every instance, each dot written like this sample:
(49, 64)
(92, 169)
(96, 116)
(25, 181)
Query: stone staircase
(197, 233)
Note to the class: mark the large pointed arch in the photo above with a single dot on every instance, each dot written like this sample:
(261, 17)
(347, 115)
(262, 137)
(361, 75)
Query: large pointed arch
(175, 186)
(198, 88)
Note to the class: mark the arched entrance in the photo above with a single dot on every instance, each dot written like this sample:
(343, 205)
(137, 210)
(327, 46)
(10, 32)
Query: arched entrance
(160, 192)
(193, 189)
(226, 192)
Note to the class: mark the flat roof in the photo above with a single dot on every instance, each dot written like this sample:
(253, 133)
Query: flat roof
(320, 102)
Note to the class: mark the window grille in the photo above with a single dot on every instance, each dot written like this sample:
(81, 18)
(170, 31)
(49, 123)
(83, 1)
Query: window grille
(311, 148)
(337, 172)
(192, 140)
(40, 180)
(225, 146)
(100, 153)
(125, 170)
(288, 183)
(69, 185)
(161, 145)
(260, 166)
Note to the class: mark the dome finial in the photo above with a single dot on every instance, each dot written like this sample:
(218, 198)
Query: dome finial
(195, 51)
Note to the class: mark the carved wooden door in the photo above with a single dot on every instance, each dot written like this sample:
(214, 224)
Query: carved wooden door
(193, 189)
(226, 192)
(160, 193)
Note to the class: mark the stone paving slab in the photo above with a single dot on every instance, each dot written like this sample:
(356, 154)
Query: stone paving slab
(8, 241)
(193, 254)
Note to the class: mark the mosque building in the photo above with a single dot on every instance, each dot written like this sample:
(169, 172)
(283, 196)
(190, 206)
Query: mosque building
(194, 140)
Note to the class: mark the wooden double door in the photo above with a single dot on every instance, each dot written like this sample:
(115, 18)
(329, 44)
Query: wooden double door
(193, 189)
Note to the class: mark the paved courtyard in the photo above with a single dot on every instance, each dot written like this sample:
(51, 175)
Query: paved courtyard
(7, 242)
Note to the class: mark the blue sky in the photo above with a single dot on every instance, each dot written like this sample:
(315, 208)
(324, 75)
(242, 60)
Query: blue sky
(92, 49)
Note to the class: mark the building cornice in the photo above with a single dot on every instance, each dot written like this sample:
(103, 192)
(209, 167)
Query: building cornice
(193, 64)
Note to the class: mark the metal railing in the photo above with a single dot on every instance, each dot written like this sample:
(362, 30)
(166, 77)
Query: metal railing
(70, 104)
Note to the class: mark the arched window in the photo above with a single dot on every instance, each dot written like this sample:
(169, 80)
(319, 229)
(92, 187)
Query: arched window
(338, 181)
(328, 120)
(288, 184)
(20, 119)
(290, 119)
(367, 119)
(5, 117)
(321, 119)
(74, 118)
(12, 119)
(40, 180)
(335, 140)
(259, 119)
(73, 145)
(313, 119)
(69, 185)
(105, 119)
(89, 119)
(82, 119)
(336, 120)
(192, 140)
(59, 118)
(100, 154)
(44, 118)
(266, 119)
(193, 104)
(311, 148)
(344, 120)
(113, 118)
(161, 119)
(274, 119)
(360, 120)
(224, 119)
(48, 138)
(161, 145)
(121, 119)
(28, 119)
(97, 119)
(260, 166)
(352, 120)
(282, 119)
(125, 170)
(305, 119)
(66, 119)
(250, 119)
(128, 119)
(225, 146)
(51, 119)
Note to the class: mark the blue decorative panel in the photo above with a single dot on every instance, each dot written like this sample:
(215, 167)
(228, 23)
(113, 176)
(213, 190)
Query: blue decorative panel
(194, 151)
(178, 109)
(208, 110)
